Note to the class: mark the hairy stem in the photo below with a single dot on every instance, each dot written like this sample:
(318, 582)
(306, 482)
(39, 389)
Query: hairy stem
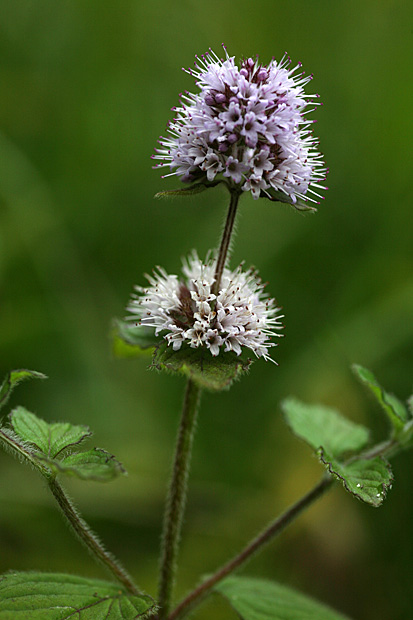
(275, 528)
(225, 241)
(177, 498)
(83, 531)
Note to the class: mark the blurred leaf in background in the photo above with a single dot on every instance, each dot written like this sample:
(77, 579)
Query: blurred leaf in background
(86, 91)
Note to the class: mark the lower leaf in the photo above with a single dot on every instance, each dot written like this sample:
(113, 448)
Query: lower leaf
(257, 599)
(56, 596)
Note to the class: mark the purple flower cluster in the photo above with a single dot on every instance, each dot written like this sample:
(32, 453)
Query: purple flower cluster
(247, 126)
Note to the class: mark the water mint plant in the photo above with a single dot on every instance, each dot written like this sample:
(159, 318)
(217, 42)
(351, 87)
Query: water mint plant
(246, 129)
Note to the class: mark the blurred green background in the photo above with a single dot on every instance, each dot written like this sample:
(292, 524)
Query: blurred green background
(86, 89)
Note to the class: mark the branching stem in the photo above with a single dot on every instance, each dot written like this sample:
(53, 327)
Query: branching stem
(275, 528)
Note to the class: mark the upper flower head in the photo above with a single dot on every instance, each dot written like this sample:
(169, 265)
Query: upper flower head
(246, 126)
(186, 311)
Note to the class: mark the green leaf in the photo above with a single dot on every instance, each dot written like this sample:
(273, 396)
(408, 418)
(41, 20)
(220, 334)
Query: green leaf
(257, 599)
(324, 427)
(197, 188)
(394, 409)
(49, 445)
(56, 596)
(278, 196)
(208, 372)
(410, 404)
(13, 378)
(50, 439)
(367, 479)
(131, 340)
(96, 464)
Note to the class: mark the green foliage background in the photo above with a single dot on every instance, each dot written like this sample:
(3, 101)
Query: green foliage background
(86, 89)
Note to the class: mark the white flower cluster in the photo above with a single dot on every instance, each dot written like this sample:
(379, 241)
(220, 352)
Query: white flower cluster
(185, 310)
(247, 126)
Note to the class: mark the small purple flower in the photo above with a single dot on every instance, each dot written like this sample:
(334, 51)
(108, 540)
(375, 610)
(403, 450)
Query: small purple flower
(247, 126)
(234, 169)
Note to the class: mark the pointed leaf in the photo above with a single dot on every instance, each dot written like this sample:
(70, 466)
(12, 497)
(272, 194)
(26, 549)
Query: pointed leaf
(183, 191)
(405, 437)
(257, 599)
(196, 188)
(49, 439)
(13, 378)
(96, 464)
(367, 479)
(394, 409)
(278, 196)
(323, 426)
(208, 372)
(56, 596)
(131, 340)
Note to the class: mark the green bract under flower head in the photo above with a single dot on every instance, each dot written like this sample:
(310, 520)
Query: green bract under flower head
(247, 126)
(185, 311)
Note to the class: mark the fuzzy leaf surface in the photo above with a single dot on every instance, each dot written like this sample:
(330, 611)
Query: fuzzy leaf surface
(208, 372)
(50, 439)
(257, 599)
(96, 464)
(13, 378)
(394, 408)
(131, 340)
(56, 596)
(321, 426)
(366, 479)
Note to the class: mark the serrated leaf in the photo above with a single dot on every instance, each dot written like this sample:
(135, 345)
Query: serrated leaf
(56, 596)
(367, 479)
(208, 372)
(393, 407)
(50, 439)
(321, 426)
(13, 378)
(96, 464)
(131, 340)
(257, 599)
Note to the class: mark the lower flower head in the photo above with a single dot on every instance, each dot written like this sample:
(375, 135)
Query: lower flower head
(248, 127)
(185, 311)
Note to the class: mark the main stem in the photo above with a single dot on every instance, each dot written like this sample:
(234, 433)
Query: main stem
(90, 539)
(177, 498)
(275, 528)
(225, 241)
